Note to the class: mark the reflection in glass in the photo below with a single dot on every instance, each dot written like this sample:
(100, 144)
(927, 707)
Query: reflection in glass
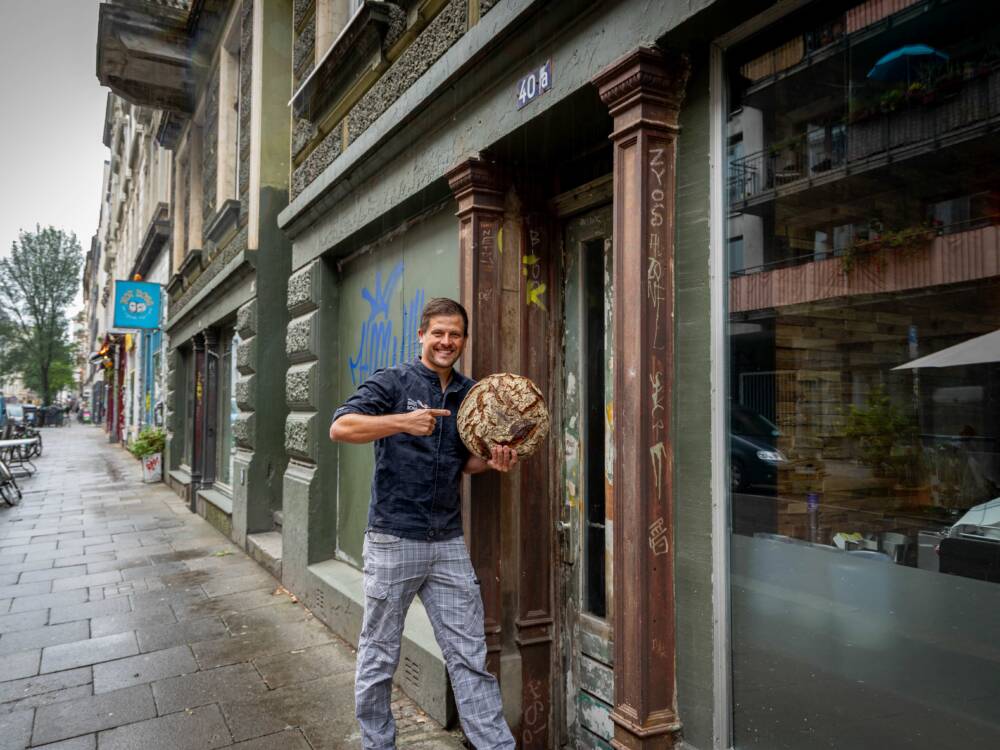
(863, 435)
(227, 406)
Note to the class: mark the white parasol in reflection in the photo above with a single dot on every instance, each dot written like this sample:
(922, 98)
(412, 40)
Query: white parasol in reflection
(987, 514)
(980, 350)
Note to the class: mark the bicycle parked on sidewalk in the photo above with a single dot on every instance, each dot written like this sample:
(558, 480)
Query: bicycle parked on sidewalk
(9, 490)
(20, 424)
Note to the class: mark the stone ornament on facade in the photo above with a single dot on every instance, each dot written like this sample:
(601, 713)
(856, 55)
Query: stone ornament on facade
(503, 409)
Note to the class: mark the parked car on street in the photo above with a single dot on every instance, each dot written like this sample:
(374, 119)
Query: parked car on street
(754, 457)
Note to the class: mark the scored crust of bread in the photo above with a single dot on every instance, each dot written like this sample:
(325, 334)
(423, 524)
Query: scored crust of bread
(503, 409)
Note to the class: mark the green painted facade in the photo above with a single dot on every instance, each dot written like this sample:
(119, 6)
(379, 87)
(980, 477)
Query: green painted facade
(381, 294)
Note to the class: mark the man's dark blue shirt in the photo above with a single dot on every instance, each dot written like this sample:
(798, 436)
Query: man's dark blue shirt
(415, 486)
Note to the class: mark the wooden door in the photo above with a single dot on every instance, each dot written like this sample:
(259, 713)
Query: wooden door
(586, 593)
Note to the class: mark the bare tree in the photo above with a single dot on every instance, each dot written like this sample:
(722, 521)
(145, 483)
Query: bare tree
(38, 282)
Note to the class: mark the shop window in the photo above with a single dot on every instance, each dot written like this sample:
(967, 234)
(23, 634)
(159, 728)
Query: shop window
(184, 422)
(864, 376)
(227, 410)
(156, 396)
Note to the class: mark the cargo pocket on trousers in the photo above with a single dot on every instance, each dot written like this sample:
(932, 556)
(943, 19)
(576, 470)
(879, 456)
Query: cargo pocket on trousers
(474, 608)
(380, 618)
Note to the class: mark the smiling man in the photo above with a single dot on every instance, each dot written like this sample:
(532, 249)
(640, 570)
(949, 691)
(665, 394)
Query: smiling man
(414, 543)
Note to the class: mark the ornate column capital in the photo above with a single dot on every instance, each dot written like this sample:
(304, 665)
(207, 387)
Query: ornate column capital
(646, 87)
(477, 186)
(210, 337)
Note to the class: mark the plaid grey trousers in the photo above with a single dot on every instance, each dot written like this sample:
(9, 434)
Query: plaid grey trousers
(441, 573)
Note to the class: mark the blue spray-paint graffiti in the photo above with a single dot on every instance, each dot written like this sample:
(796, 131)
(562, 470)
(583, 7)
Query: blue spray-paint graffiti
(379, 346)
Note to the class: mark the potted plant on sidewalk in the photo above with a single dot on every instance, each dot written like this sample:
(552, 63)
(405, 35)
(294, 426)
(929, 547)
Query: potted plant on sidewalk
(148, 448)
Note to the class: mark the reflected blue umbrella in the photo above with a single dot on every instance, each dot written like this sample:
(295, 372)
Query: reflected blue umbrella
(895, 66)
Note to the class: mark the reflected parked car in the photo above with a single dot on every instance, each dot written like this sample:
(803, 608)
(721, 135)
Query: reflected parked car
(754, 457)
(15, 413)
(971, 547)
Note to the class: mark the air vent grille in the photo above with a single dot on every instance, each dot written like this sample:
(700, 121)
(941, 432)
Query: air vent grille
(411, 673)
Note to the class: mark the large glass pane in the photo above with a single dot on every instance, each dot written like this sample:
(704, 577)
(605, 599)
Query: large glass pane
(191, 382)
(864, 393)
(227, 407)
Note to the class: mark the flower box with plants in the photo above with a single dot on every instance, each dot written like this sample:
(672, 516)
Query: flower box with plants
(875, 245)
(148, 448)
(945, 98)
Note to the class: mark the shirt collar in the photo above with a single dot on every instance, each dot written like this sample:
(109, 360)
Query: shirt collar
(457, 379)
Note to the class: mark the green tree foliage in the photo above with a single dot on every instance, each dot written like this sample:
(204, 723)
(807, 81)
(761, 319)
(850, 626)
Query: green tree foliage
(38, 282)
(887, 437)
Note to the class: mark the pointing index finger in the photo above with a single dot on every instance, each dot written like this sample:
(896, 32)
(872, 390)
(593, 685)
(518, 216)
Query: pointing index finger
(439, 412)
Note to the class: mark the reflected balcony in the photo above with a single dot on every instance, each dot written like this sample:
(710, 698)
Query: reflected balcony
(960, 118)
(960, 254)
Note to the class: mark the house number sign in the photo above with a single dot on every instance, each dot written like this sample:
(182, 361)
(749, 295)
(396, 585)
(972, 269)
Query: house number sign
(533, 85)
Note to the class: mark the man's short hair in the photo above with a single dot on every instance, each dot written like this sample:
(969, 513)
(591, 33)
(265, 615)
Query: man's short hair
(443, 307)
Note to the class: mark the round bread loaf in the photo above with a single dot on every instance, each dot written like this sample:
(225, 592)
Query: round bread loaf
(503, 409)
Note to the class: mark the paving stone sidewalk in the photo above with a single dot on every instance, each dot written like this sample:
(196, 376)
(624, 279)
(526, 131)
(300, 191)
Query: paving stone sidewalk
(128, 622)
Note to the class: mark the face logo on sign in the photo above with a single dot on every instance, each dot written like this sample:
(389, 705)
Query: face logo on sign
(137, 301)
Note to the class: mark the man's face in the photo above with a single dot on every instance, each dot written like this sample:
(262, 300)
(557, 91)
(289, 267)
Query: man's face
(442, 342)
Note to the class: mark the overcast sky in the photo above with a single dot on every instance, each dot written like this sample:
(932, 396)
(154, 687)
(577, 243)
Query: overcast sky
(51, 118)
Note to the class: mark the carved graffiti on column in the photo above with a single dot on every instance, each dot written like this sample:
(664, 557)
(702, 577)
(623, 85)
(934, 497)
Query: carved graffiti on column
(379, 346)
(656, 397)
(658, 541)
(657, 455)
(485, 295)
(486, 243)
(534, 714)
(654, 273)
(656, 279)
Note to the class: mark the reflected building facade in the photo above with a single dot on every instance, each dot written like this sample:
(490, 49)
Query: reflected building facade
(863, 213)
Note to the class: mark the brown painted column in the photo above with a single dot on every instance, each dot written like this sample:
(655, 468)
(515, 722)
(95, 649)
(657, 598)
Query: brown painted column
(643, 92)
(535, 565)
(480, 211)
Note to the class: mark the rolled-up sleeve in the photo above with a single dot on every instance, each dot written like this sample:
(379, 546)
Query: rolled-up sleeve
(376, 396)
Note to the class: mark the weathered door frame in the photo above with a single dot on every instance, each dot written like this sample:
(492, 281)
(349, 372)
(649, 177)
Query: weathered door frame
(507, 269)
(575, 625)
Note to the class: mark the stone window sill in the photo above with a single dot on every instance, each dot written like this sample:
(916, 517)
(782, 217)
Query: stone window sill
(220, 500)
(225, 218)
